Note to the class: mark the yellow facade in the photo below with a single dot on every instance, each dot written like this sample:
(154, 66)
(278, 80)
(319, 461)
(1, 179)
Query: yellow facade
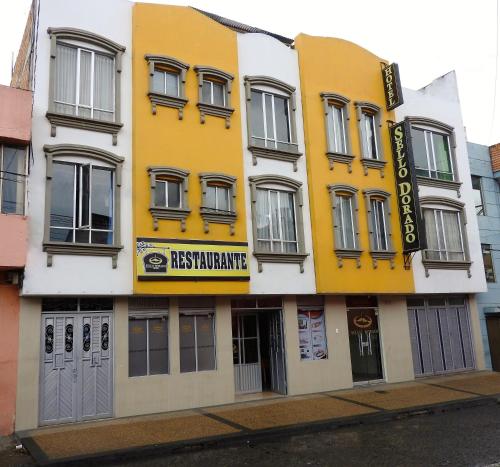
(340, 67)
(165, 140)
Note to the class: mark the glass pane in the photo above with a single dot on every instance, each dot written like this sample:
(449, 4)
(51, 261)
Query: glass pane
(251, 350)
(287, 213)
(268, 100)
(159, 81)
(160, 193)
(206, 358)
(257, 115)
(223, 198)
(382, 229)
(13, 180)
(172, 84)
(85, 77)
(281, 115)
(82, 235)
(174, 194)
(218, 94)
(187, 343)
(59, 304)
(431, 234)
(65, 78)
(102, 198)
(62, 193)
(452, 234)
(371, 141)
(158, 346)
(102, 238)
(206, 344)
(337, 136)
(478, 198)
(338, 219)
(249, 325)
(96, 304)
(275, 215)
(236, 352)
(263, 223)
(61, 235)
(210, 197)
(419, 151)
(85, 195)
(347, 222)
(206, 92)
(137, 352)
(442, 154)
(104, 86)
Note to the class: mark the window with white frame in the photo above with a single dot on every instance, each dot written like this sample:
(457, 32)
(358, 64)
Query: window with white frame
(213, 92)
(197, 342)
(168, 193)
(82, 203)
(337, 128)
(369, 135)
(276, 221)
(444, 235)
(166, 81)
(345, 231)
(379, 223)
(218, 198)
(432, 154)
(84, 83)
(12, 179)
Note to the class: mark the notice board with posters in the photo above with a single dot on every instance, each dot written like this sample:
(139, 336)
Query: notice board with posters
(312, 335)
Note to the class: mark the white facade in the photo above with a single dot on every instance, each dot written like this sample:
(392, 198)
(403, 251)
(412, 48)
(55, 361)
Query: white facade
(262, 55)
(72, 274)
(440, 101)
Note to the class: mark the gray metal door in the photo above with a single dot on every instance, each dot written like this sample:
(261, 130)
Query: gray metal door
(76, 379)
(277, 351)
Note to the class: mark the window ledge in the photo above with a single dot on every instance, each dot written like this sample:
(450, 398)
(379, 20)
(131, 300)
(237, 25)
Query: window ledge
(175, 102)
(350, 253)
(436, 182)
(276, 154)
(83, 249)
(169, 214)
(216, 111)
(440, 264)
(386, 254)
(340, 157)
(211, 215)
(73, 121)
(373, 164)
(268, 257)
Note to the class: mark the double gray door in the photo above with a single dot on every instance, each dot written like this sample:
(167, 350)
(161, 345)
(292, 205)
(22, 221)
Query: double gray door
(76, 374)
(441, 338)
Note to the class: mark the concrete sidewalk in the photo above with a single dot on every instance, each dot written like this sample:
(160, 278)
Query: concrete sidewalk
(258, 419)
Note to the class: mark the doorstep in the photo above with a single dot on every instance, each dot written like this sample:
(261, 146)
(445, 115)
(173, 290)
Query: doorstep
(241, 422)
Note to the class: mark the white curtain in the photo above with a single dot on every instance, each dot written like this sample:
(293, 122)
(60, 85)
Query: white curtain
(103, 87)
(347, 222)
(263, 221)
(336, 126)
(85, 83)
(210, 197)
(159, 81)
(431, 234)
(451, 224)
(288, 222)
(65, 80)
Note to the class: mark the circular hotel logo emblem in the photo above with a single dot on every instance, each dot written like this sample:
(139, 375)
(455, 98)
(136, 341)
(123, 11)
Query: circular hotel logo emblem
(362, 321)
(155, 263)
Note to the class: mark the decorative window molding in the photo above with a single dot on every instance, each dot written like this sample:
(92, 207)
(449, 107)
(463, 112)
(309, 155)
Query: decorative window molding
(342, 103)
(436, 203)
(169, 213)
(213, 75)
(165, 63)
(62, 151)
(210, 214)
(425, 123)
(377, 253)
(73, 121)
(261, 181)
(289, 151)
(341, 253)
(379, 162)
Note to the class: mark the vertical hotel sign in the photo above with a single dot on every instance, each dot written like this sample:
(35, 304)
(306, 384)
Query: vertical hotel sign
(392, 86)
(407, 189)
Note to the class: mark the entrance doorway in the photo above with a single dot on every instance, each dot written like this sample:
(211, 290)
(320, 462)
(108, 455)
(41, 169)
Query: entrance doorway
(493, 329)
(258, 347)
(76, 367)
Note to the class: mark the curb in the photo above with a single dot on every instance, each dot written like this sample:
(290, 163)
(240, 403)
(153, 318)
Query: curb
(253, 437)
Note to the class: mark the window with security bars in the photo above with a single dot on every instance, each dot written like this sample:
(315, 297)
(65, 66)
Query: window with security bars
(84, 84)
(276, 222)
(12, 179)
(82, 209)
(432, 155)
(345, 236)
(444, 235)
(379, 224)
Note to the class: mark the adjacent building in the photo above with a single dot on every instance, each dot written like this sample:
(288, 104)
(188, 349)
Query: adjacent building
(485, 169)
(214, 216)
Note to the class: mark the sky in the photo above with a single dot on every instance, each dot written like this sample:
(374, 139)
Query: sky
(427, 38)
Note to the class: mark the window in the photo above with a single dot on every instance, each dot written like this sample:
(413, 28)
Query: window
(312, 331)
(82, 215)
(148, 336)
(369, 125)
(167, 83)
(478, 195)
(169, 188)
(446, 235)
(336, 108)
(218, 199)
(84, 70)
(379, 225)
(12, 179)
(213, 93)
(271, 119)
(277, 219)
(488, 263)
(197, 334)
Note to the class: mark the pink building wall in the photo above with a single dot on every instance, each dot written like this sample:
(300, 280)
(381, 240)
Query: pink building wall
(15, 114)
(13, 241)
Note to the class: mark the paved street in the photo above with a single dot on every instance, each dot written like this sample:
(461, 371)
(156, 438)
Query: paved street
(468, 437)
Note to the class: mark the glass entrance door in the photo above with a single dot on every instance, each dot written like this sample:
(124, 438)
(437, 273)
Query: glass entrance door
(364, 341)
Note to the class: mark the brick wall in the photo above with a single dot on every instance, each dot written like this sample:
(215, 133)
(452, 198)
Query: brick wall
(22, 68)
(495, 157)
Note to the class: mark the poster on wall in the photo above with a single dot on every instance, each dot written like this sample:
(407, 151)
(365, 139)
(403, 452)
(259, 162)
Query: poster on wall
(312, 335)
